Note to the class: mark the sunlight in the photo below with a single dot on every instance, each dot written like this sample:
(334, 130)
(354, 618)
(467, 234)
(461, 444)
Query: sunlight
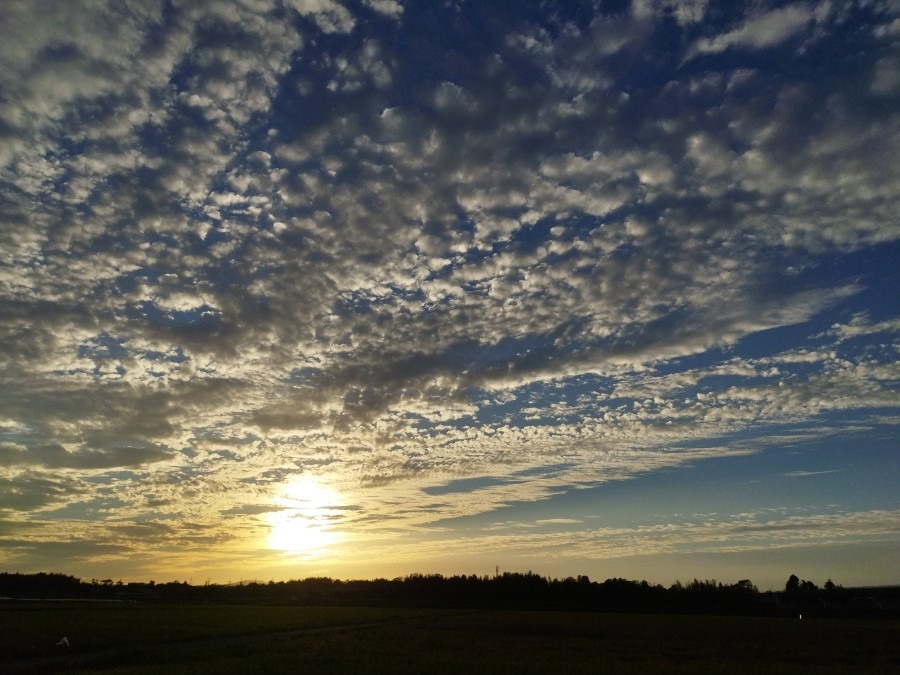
(302, 525)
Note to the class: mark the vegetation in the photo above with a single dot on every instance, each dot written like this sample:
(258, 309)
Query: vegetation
(437, 624)
(141, 638)
(508, 590)
(30, 629)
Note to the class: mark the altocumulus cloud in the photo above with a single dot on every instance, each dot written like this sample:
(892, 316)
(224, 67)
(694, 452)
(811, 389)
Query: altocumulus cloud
(396, 244)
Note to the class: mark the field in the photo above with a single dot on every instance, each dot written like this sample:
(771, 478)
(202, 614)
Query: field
(138, 638)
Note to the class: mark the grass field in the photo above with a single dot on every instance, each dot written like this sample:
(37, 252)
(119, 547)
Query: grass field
(243, 639)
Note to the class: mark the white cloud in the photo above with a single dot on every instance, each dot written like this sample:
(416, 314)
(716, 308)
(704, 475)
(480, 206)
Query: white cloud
(686, 12)
(391, 8)
(759, 31)
(860, 325)
(738, 533)
(329, 16)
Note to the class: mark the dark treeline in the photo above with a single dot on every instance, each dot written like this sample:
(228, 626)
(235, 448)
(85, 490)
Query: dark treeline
(507, 590)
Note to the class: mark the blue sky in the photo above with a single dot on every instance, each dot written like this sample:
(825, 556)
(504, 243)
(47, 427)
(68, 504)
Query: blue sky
(365, 288)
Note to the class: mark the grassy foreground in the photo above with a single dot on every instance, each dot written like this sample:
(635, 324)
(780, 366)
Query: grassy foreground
(244, 639)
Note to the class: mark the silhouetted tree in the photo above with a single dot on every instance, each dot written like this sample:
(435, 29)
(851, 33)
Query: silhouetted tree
(745, 586)
(793, 584)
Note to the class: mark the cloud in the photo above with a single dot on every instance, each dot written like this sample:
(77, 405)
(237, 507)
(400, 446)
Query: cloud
(242, 241)
(764, 30)
(328, 15)
(861, 325)
(686, 12)
(803, 474)
(32, 491)
(717, 534)
(390, 8)
(57, 457)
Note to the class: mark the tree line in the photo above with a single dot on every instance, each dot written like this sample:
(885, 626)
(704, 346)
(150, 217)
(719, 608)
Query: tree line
(507, 590)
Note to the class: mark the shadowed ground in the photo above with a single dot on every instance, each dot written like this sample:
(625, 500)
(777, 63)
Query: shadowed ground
(383, 641)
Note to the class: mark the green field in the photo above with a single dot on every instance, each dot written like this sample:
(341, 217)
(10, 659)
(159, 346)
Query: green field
(136, 638)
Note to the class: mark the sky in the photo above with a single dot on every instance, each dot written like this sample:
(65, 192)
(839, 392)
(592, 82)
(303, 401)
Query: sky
(366, 288)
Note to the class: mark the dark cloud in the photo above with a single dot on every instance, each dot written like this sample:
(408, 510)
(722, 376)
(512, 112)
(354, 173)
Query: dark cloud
(57, 457)
(28, 551)
(28, 491)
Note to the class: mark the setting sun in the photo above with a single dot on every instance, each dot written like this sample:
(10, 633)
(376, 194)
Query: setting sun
(302, 525)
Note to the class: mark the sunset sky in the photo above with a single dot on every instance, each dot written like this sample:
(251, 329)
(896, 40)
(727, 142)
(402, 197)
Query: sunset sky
(363, 288)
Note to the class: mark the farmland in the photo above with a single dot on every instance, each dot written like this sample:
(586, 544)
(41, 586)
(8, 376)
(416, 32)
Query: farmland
(173, 638)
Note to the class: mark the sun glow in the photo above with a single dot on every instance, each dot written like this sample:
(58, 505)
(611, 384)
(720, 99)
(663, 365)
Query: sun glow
(303, 524)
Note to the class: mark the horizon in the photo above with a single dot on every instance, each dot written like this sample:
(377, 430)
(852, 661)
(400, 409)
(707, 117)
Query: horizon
(350, 288)
(677, 583)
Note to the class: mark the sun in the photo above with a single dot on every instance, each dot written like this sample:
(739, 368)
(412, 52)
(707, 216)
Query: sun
(303, 523)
